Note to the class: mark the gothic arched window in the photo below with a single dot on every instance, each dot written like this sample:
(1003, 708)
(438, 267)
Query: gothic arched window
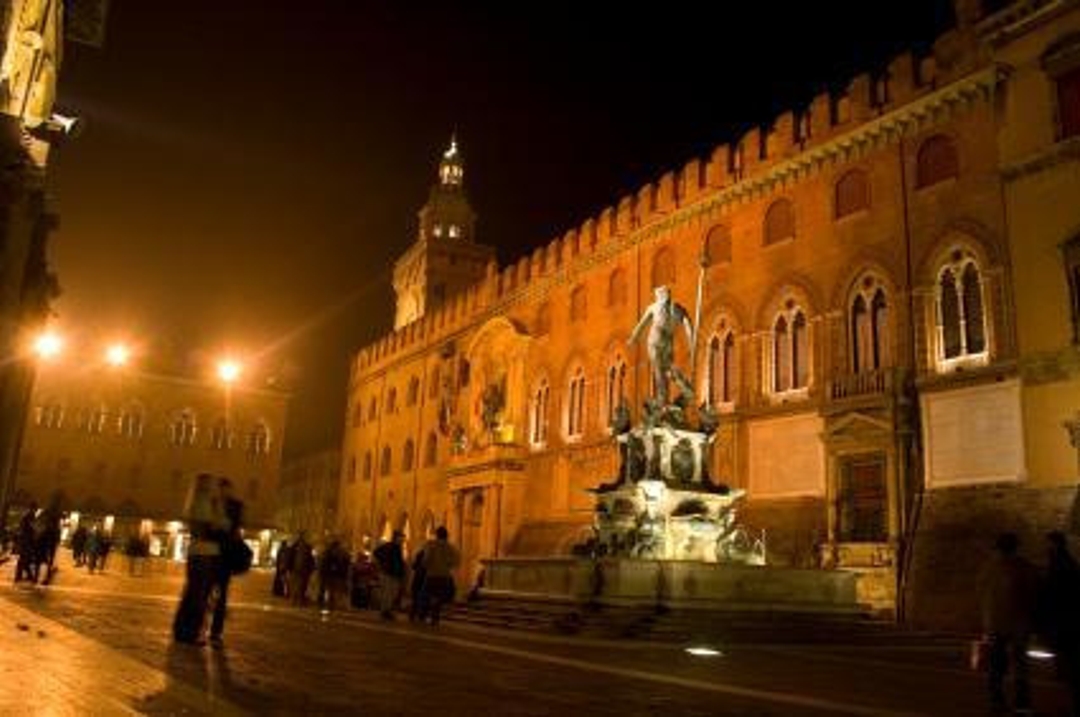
(385, 464)
(575, 417)
(407, 455)
(431, 450)
(258, 442)
(790, 350)
(720, 377)
(130, 423)
(414, 391)
(961, 313)
(366, 473)
(539, 414)
(220, 437)
(869, 326)
(183, 429)
(616, 387)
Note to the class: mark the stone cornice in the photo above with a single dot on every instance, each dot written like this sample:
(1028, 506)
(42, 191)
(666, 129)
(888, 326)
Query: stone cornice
(1059, 153)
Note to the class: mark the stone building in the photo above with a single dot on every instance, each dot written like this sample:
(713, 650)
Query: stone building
(123, 443)
(888, 326)
(307, 494)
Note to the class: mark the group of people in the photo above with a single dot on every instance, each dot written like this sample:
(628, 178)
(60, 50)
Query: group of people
(90, 548)
(1019, 603)
(216, 552)
(374, 579)
(36, 541)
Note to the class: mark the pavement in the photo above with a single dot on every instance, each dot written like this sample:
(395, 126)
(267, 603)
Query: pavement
(100, 645)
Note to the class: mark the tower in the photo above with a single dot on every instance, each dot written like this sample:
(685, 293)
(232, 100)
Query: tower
(445, 259)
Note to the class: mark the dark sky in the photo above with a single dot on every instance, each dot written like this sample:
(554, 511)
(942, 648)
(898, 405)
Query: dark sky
(250, 168)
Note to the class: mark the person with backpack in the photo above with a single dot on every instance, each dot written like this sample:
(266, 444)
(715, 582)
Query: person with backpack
(390, 558)
(236, 559)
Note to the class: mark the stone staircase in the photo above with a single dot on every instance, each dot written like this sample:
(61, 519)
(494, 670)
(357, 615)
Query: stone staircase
(774, 624)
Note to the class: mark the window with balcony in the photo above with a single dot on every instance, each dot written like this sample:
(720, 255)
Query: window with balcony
(961, 318)
(615, 391)
(183, 430)
(538, 419)
(790, 351)
(720, 369)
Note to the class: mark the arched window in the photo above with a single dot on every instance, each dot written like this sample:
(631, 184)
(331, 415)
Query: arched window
(431, 450)
(433, 382)
(130, 422)
(615, 393)
(936, 161)
(183, 429)
(718, 245)
(407, 455)
(663, 268)
(961, 311)
(779, 222)
(543, 319)
(720, 378)
(414, 391)
(366, 473)
(391, 400)
(220, 436)
(385, 464)
(575, 416)
(357, 415)
(578, 304)
(373, 409)
(258, 442)
(852, 193)
(617, 291)
(539, 414)
(95, 419)
(869, 326)
(790, 350)
(49, 415)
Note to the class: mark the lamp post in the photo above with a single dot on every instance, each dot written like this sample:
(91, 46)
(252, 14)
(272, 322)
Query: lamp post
(228, 372)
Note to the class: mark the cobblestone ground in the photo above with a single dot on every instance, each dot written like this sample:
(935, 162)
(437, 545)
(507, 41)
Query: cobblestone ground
(100, 645)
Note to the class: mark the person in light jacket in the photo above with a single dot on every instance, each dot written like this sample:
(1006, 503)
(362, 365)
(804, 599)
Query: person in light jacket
(207, 523)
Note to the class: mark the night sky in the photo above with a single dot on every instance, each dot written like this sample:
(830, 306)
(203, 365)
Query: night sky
(250, 169)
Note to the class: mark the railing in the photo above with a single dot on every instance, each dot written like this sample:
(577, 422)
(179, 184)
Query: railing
(866, 383)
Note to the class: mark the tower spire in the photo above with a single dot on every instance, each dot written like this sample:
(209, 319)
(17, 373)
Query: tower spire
(451, 170)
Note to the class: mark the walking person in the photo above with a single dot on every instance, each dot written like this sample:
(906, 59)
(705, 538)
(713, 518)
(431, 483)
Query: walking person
(26, 565)
(282, 563)
(418, 609)
(1007, 589)
(303, 563)
(78, 545)
(236, 558)
(207, 523)
(334, 567)
(1060, 613)
(441, 559)
(391, 561)
(47, 538)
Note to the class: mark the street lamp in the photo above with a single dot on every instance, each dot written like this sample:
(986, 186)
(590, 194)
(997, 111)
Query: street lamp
(48, 345)
(228, 371)
(117, 355)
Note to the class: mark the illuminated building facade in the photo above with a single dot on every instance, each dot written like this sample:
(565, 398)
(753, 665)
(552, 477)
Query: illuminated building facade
(307, 494)
(889, 328)
(123, 443)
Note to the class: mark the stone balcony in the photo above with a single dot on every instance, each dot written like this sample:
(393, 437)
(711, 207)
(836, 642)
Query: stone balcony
(867, 387)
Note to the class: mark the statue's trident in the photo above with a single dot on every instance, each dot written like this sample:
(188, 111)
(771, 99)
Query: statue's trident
(703, 263)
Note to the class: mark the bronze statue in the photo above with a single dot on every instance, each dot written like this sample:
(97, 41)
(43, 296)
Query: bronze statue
(665, 316)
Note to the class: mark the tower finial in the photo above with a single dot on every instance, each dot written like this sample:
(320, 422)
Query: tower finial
(450, 168)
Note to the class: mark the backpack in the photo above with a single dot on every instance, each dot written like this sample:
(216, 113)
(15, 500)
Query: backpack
(238, 555)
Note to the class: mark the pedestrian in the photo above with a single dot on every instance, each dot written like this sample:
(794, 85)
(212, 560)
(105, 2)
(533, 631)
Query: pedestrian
(26, 566)
(1007, 587)
(365, 578)
(1060, 613)
(418, 603)
(47, 538)
(333, 574)
(282, 562)
(391, 561)
(303, 564)
(78, 545)
(441, 559)
(207, 522)
(93, 549)
(230, 543)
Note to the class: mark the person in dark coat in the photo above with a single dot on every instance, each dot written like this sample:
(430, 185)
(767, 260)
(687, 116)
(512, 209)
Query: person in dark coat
(78, 545)
(26, 566)
(282, 562)
(418, 602)
(303, 564)
(391, 561)
(1007, 590)
(207, 523)
(47, 537)
(234, 509)
(1061, 612)
(334, 566)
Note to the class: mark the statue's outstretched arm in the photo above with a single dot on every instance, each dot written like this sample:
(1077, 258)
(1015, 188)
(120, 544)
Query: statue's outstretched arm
(641, 324)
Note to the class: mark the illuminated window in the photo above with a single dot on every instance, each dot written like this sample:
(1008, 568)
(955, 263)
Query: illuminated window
(258, 442)
(220, 436)
(130, 422)
(869, 327)
(779, 222)
(720, 368)
(616, 388)
(575, 416)
(95, 420)
(454, 231)
(790, 354)
(936, 161)
(437, 231)
(960, 315)
(852, 193)
(183, 430)
(49, 415)
(539, 414)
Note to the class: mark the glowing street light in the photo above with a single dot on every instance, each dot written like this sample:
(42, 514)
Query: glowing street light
(117, 355)
(229, 371)
(48, 345)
